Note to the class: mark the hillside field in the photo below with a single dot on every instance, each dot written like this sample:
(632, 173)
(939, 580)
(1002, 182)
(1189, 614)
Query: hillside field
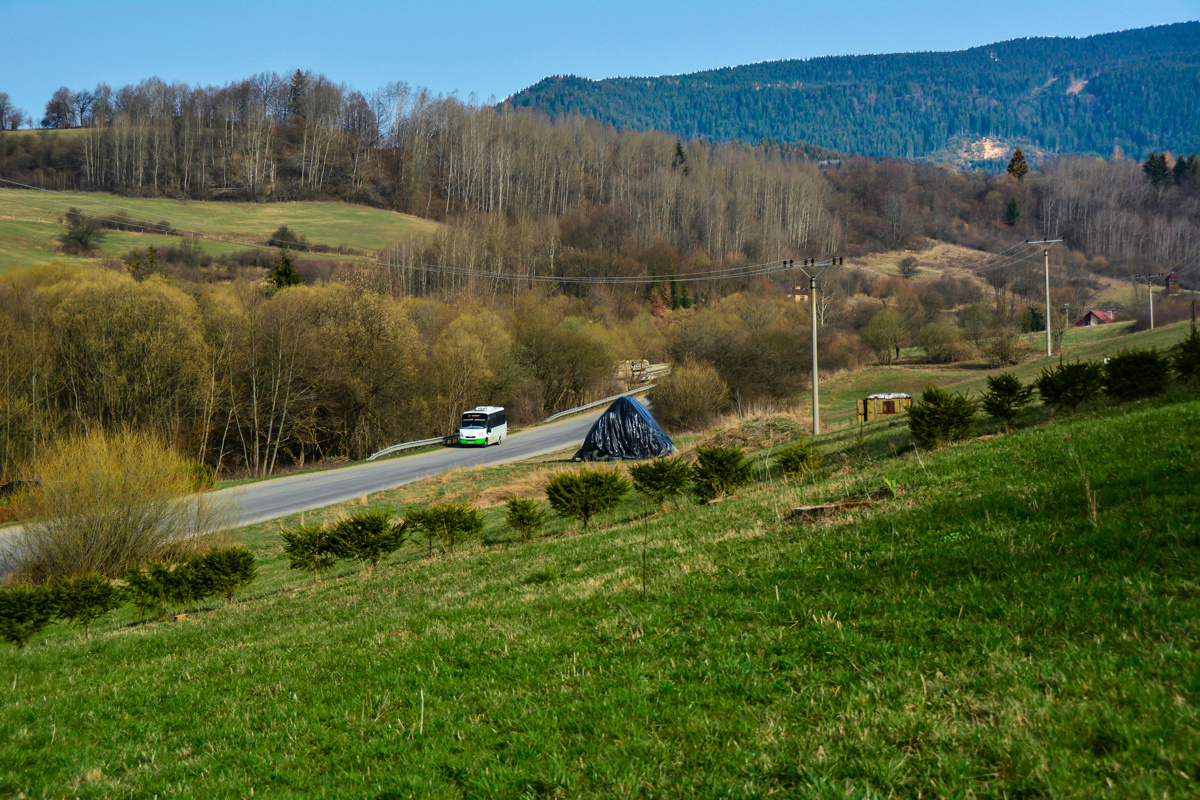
(911, 373)
(991, 632)
(29, 226)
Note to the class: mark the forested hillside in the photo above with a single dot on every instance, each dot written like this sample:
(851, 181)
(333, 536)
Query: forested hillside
(566, 246)
(1136, 90)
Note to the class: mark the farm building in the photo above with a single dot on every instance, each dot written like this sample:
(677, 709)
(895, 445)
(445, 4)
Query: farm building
(886, 404)
(1094, 317)
(1172, 283)
(793, 290)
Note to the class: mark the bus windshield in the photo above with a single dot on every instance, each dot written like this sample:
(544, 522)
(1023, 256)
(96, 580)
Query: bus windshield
(474, 421)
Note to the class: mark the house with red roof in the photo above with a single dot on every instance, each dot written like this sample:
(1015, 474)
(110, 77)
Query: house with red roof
(1094, 317)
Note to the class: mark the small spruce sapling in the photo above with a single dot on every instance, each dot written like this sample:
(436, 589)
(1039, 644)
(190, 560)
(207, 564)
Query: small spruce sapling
(661, 479)
(1131, 374)
(719, 471)
(584, 494)
(224, 572)
(155, 585)
(524, 517)
(1068, 385)
(310, 547)
(85, 599)
(1005, 397)
(800, 460)
(1186, 359)
(24, 611)
(369, 536)
(453, 524)
(940, 417)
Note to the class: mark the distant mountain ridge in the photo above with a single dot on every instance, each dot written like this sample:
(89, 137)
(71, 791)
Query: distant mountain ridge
(1138, 90)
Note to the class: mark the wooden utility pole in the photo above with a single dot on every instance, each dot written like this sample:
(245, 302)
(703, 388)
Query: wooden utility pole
(1046, 253)
(806, 265)
(1149, 279)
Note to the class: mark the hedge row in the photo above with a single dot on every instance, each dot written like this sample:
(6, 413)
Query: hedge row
(26, 610)
(940, 416)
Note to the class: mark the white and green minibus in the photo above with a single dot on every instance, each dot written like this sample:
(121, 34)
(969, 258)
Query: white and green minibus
(483, 425)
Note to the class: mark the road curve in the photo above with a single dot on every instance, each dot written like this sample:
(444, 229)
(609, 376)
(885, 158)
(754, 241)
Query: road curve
(279, 497)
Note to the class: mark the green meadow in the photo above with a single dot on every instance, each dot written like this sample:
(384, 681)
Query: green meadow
(29, 223)
(1020, 621)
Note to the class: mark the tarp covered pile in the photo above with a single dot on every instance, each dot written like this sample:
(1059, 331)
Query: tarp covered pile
(625, 430)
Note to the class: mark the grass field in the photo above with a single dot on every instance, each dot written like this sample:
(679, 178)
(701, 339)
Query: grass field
(840, 393)
(29, 224)
(990, 633)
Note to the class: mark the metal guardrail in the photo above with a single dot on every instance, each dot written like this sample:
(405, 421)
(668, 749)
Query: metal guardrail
(397, 448)
(570, 411)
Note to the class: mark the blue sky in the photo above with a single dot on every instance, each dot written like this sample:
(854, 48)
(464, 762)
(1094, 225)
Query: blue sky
(493, 49)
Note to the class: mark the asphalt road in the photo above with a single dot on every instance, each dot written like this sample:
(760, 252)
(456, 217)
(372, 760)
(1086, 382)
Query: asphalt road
(278, 497)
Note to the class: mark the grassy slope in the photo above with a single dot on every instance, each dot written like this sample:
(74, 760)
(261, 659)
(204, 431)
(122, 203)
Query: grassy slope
(839, 394)
(979, 636)
(30, 238)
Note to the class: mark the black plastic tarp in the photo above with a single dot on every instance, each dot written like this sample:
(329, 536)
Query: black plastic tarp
(626, 430)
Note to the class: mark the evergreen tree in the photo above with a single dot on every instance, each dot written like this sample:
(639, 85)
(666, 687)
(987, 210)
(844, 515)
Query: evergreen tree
(1012, 214)
(1156, 170)
(680, 159)
(297, 94)
(1018, 167)
(1185, 169)
(284, 274)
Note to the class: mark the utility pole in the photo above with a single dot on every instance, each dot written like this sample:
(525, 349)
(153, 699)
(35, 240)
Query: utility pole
(1046, 253)
(1149, 279)
(812, 296)
(806, 265)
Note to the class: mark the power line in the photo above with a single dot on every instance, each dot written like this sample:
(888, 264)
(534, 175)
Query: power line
(725, 273)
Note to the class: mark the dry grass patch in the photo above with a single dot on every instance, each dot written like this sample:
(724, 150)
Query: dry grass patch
(530, 485)
(755, 433)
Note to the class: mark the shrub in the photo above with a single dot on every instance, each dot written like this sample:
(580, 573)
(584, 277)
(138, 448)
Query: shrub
(156, 584)
(941, 343)
(453, 524)
(581, 495)
(310, 547)
(690, 397)
(661, 479)
(800, 460)
(1006, 348)
(1131, 374)
(883, 334)
(1068, 385)
(25, 610)
(940, 417)
(909, 267)
(203, 477)
(1005, 397)
(85, 599)
(287, 238)
(225, 571)
(525, 517)
(83, 233)
(1186, 359)
(369, 536)
(719, 471)
(106, 501)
